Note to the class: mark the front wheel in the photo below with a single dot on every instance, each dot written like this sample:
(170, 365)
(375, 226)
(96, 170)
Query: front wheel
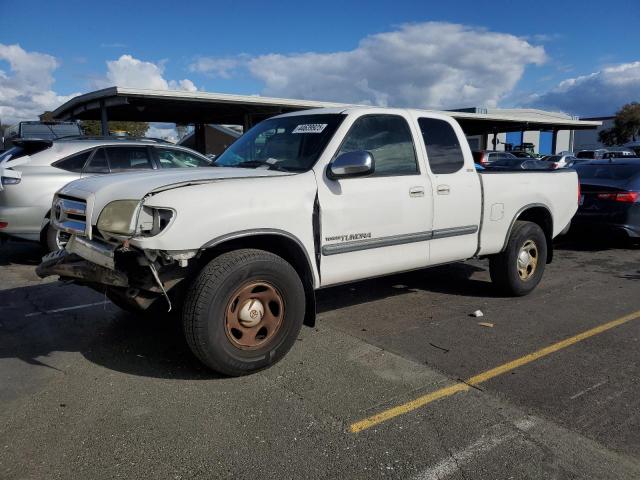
(517, 270)
(243, 312)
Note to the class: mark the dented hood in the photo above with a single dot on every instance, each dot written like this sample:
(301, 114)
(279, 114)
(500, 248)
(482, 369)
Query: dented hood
(102, 189)
(135, 185)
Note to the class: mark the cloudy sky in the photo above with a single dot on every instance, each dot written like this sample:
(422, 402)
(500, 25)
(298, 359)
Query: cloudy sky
(578, 57)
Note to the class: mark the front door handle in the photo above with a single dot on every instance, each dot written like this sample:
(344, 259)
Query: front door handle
(443, 190)
(416, 192)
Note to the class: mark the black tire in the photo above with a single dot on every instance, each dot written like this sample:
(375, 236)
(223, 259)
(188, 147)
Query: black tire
(52, 240)
(210, 296)
(504, 266)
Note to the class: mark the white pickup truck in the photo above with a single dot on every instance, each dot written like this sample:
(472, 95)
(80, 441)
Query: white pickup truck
(301, 202)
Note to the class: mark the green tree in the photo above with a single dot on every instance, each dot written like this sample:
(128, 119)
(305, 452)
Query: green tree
(47, 116)
(626, 126)
(134, 129)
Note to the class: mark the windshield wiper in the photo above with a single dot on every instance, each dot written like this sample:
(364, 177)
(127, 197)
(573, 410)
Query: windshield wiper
(260, 163)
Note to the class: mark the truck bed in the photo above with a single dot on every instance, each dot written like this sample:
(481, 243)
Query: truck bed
(505, 194)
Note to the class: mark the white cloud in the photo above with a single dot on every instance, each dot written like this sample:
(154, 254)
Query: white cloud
(25, 90)
(184, 84)
(217, 67)
(433, 64)
(128, 71)
(599, 93)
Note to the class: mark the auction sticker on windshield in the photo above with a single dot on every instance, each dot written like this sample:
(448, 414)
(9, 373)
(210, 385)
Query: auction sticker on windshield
(310, 128)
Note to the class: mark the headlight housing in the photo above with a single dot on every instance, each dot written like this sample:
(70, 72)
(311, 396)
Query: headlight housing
(119, 217)
(129, 218)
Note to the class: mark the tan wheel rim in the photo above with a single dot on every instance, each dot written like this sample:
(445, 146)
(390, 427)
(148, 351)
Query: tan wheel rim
(254, 315)
(527, 260)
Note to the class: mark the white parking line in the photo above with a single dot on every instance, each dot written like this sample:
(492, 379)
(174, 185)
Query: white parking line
(484, 444)
(579, 394)
(57, 310)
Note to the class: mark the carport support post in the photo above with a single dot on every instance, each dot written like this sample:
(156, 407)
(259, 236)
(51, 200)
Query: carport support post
(104, 121)
(554, 141)
(495, 140)
(200, 140)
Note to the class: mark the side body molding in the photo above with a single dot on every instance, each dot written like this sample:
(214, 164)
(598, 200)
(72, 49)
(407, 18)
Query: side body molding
(357, 245)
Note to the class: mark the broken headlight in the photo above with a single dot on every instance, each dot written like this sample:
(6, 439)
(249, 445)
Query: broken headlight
(119, 217)
(152, 220)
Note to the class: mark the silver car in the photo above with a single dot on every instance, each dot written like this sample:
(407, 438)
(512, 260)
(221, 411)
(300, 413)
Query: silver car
(33, 170)
(562, 160)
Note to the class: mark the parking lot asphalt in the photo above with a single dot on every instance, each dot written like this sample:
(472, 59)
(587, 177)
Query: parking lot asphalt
(88, 391)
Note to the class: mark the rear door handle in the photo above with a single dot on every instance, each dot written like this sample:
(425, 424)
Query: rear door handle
(416, 192)
(443, 190)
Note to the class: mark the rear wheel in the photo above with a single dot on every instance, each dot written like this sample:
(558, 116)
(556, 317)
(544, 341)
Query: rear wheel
(243, 311)
(518, 270)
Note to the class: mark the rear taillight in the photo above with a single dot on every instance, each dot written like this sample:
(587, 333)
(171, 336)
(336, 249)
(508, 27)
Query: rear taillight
(554, 166)
(4, 224)
(624, 197)
(579, 192)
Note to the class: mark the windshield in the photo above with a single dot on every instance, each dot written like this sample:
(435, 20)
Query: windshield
(586, 154)
(291, 144)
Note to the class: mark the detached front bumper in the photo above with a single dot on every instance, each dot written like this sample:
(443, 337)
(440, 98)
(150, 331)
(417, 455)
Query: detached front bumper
(119, 271)
(84, 260)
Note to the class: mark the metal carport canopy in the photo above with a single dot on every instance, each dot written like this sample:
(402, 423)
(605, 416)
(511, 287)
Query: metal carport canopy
(175, 106)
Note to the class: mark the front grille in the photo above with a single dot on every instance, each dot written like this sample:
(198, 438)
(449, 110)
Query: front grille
(69, 214)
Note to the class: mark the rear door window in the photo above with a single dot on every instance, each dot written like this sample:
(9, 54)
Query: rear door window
(74, 163)
(98, 163)
(443, 148)
(128, 158)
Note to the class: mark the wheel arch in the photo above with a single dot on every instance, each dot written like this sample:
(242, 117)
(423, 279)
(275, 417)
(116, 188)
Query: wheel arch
(43, 229)
(539, 214)
(278, 242)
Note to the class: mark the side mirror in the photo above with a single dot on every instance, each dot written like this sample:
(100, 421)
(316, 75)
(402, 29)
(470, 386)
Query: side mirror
(351, 164)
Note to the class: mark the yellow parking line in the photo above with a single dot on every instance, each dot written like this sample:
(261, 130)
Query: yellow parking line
(488, 375)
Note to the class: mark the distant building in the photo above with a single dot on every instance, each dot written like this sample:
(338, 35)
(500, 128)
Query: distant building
(588, 139)
(543, 141)
(217, 138)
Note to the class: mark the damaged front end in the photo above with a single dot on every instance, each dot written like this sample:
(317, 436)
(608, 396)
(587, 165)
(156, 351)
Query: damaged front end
(128, 276)
(103, 259)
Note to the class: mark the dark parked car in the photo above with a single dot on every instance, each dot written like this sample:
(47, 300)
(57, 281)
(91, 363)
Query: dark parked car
(623, 153)
(610, 195)
(519, 164)
(521, 154)
(591, 154)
